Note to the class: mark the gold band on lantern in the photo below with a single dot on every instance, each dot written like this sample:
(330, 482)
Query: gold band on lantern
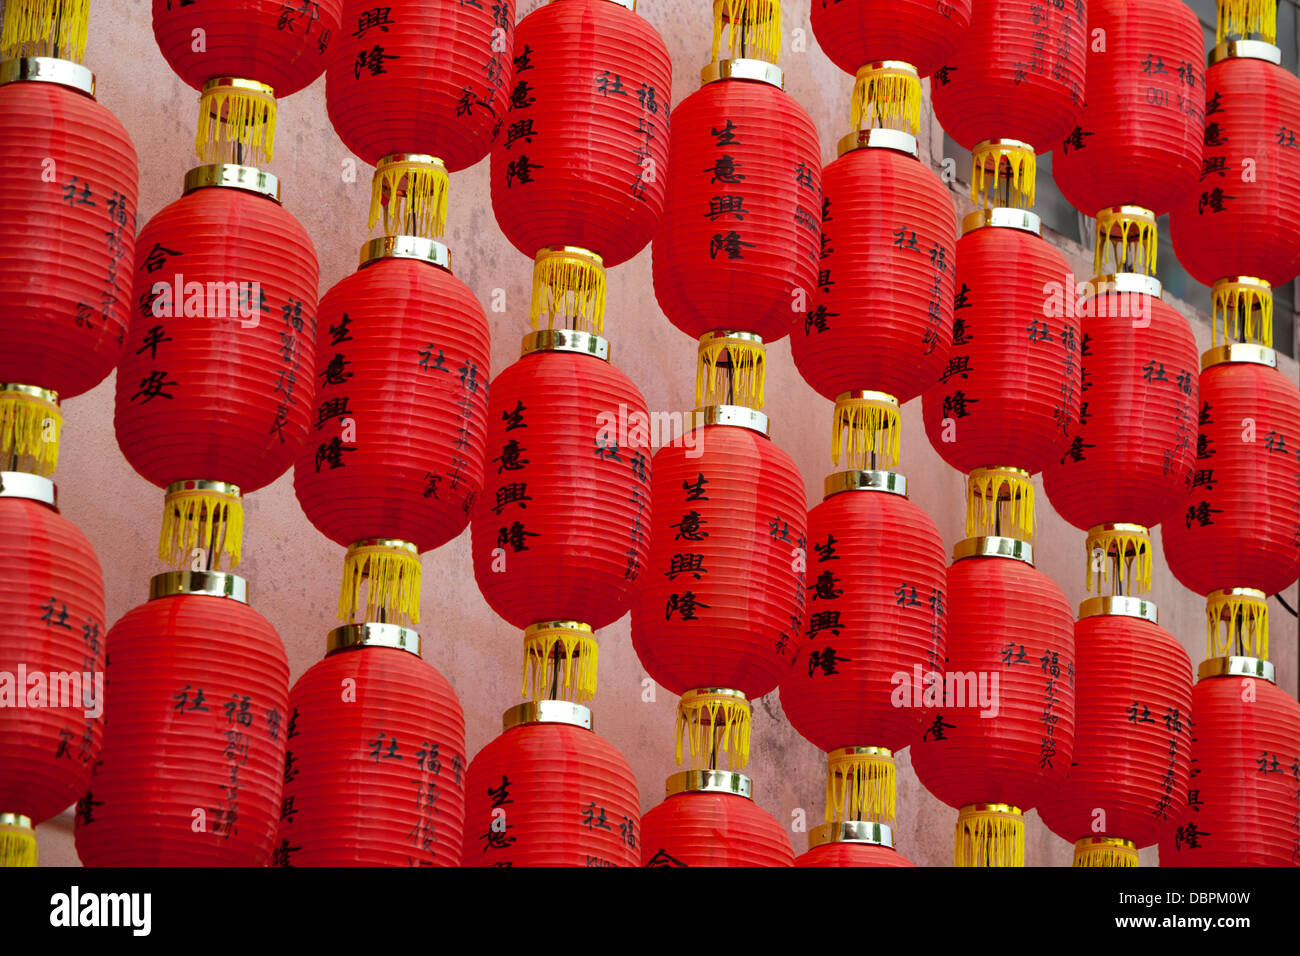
(1236, 623)
(1236, 353)
(886, 95)
(990, 834)
(17, 840)
(851, 831)
(45, 28)
(1127, 241)
(1243, 308)
(45, 69)
(1003, 172)
(860, 785)
(405, 247)
(568, 289)
(560, 661)
(30, 426)
(735, 416)
(712, 721)
(410, 190)
(1253, 667)
(236, 122)
(896, 140)
(1001, 217)
(752, 27)
(709, 781)
(232, 176)
(391, 569)
(889, 482)
(1118, 605)
(1118, 554)
(547, 712)
(1246, 19)
(1000, 502)
(220, 584)
(731, 370)
(760, 71)
(565, 340)
(202, 521)
(350, 637)
(868, 429)
(23, 484)
(990, 546)
(1105, 851)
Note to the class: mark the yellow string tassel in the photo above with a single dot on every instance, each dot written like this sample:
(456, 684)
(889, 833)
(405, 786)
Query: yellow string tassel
(887, 96)
(1124, 547)
(201, 515)
(713, 721)
(392, 571)
(30, 426)
(731, 370)
(1243, 308)
(1105, 851)
(860, 785)
(54, 28)
(1247, 18)
(874, 430)
(1236, 621)
(560, 645)
(410, 189)
(1000, 501)
(17, 840)
(990, 834)
(236, 122)
(1003, 173)
(1122, 230)
(568, 289)
(753, 29)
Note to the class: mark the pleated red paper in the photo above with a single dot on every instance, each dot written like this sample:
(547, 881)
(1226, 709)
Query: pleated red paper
(212, 396)
(1018, 73)
(881, 315)
(551, 795)
(1243, 217)
(1009, 620)
(68, 186)
(377, 780)
(1138, 140)
(52, 603)
(1132, 734)
(1245, 765)
(722, 603)
(877, 572)
(1137, 423)
(737, 246)
(923, 33)
(1010, 393)
(421, 76)
(283, 44)
(562, 530)
(1239, 523)
(184, 781)
(592, 89)
(852, 854)
(713, 829)
(410, 423)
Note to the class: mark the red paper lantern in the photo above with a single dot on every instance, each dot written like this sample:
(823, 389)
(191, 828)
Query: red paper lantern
(881, 315)
(852, 843)
(877, 577)
(421, 76)
(1231, 224)
(923, 33)
(738, 242)
(723, 599)
(1009, 395)
(1132, 734)
(711, 819)
(562, 529)
(549, 792)
(409, 420)
(1137, 425)
(592, 86)
(1242, 804)
(193, 759)
(52, 602)
(1239, 524)
(1018, 73)
(1138, 140)
(272, 42)
(375, 779)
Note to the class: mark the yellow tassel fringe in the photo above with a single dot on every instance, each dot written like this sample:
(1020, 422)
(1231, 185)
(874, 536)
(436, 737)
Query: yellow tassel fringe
(1236, 624)
(1110, 852)
(54, 28)
(1120, 230)
(986, 513)
(569, 288)
(731, 371)
(1243, 308)
(411, 193)
(1127, 550)
(713, 723)
(30, 426)
(1247, 18)
(392, 571)
(201, 518)
(17, 846)
(866, 420)
(236, 123)
(989, 835)
(886, 98)
(860, 785)
(574, 644)
(994, 162)
(753, 29)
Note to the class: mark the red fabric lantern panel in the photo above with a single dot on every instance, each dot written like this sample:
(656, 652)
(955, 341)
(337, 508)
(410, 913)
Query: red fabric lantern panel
(421, 76)
(215, 395)
(1018, 73)
(1228, 226)
(563, 527)
(281, 44)
(1010, 392)
(1132, 735)
(1137, 423)
(198, 690)
(405, 410)
(713, 829)
(1242, 806)
(1008, 619)
(881, 315)
(738, 241)
(852, 854)
(1138, 140)
(877, 573)
(52, 602)
(722, 600)
(377, 780)
(67, 245)
(923, 33)
(582, 161)
(551, 795)
(1239, 524)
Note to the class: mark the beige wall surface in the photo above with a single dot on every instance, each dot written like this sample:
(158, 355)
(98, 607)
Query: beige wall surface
(294, 570)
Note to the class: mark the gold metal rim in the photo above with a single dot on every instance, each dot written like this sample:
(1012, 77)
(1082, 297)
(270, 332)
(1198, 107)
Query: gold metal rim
(1221, 593)
(1247, 281)
(48, 69)
(743, 68)
(19, 820)
(859, 480)
(249, 179)
(1119, 842)
(991, 808)
(199, 484)
(697, 692)
(406, 247)
(1119, 527)
(1126, 211)
(734, 335)
(34, 391)
(428, 159)
(1007, 143)
(867, 395)
(392, 544)
(1119, 605)
(21, 484)
(565, 340)
(1126, 282)
(220, 584)
(840, 753)
(709, 781)
(740, 416)
(878, 138)
(1236, 667)
(372, 634)
(851, 831)
(1245, 50)
(1239, 353)
(557, 626)
(1002, 217)
(238, 83)
(547, 712)
(878, 66)
(992, 546)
